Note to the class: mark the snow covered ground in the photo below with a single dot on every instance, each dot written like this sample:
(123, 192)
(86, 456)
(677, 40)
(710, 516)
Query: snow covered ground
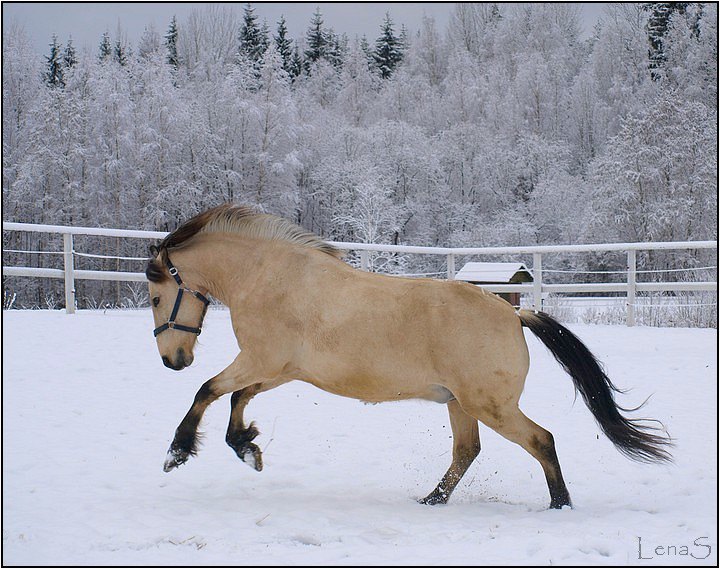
(89, 410)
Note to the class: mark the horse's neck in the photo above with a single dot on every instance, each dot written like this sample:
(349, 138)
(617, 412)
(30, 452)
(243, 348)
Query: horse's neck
(232, 268)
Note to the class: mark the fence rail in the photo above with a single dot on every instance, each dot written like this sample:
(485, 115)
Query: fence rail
(536, 289)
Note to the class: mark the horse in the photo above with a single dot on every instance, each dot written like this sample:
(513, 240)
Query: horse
(299, 312)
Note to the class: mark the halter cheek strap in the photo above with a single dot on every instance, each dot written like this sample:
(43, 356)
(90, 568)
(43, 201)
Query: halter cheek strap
(178, 299)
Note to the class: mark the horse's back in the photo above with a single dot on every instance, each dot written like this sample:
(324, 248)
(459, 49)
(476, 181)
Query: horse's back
(377, 337)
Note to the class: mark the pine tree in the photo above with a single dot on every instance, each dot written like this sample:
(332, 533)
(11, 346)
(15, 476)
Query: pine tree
(120, 53)
(337, 48)
(317, 40)
(253, 39)
(284, 46)
(387, 49)
(264, 37)
(369, 55)
(296, 64)
(403, 40)
(171, 43)
(105, 48)
(69, 55)
(54, 74)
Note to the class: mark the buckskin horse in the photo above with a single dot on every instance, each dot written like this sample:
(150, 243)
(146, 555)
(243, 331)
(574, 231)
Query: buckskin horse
(300, 313)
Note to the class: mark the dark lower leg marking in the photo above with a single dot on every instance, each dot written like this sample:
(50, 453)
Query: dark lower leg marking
(238, 437)
(186, 439)
(247, 451)
(512, 424)
(546, 454)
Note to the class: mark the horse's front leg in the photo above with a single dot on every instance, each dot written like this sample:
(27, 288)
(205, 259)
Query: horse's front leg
(233, 378)
(239, 437)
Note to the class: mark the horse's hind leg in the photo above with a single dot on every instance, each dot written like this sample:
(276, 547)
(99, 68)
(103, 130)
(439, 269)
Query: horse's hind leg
(466, 446)
(512, 424)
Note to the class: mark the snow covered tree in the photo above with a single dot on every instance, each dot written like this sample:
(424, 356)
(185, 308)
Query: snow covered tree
(337, 49)
(428, 53)
(316, 39)
(54, 73)
(657, 179)
(276, 155)
(253, 38)
(358, 87)
(691, 57)
(388, 52)
(472, 25)
(120, 53)
(69, 58)
(657, 26)
(149, 43)
(296, 64)
(404, 39)
(370, 217)
(171, 38)
(105, 48)
(284, 46)
(367, 50)
(209, 42)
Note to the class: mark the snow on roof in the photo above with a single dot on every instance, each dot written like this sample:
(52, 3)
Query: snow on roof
(490, 272)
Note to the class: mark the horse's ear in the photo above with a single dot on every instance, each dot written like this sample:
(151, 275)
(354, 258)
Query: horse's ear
(154, 250)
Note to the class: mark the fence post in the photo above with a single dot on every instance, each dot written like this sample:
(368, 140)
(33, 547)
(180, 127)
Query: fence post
(537, 281)
(365, 260)
(451, 267)
(631, 290)
(68, 266)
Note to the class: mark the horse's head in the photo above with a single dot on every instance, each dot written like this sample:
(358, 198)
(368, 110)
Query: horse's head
(178, 309)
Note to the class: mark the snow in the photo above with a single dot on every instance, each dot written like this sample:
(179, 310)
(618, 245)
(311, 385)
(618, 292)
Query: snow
(490, 272)
(89, 411)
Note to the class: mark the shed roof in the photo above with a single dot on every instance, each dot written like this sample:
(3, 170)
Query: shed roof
(492, 272)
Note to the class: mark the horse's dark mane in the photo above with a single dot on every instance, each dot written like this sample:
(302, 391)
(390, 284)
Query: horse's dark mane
(229, 218)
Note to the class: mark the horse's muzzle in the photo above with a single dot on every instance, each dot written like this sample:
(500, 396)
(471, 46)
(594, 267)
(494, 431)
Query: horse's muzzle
(181, 360)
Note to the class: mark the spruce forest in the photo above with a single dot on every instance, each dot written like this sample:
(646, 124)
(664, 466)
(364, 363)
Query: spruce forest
(509, 127)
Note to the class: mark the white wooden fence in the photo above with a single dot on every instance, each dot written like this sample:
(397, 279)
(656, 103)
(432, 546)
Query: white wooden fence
(536, 289)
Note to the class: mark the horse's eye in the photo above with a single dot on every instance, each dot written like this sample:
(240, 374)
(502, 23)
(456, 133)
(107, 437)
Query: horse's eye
(156, 301)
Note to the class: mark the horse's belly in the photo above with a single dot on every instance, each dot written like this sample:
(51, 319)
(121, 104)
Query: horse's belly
(376, 390)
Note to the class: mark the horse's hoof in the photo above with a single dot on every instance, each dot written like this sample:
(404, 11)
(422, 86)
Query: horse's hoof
(174, 458)
(251, 455)
(434, 499)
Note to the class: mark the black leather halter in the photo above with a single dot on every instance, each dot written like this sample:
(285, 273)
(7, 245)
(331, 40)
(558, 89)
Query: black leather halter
(182, 288)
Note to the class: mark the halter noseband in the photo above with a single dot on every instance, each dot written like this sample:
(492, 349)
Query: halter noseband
(171, 321)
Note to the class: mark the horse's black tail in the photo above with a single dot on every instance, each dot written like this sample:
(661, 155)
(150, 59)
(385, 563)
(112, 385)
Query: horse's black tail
(630, 437)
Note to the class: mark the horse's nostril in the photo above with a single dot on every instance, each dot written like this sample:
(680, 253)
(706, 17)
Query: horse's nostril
(180, 365)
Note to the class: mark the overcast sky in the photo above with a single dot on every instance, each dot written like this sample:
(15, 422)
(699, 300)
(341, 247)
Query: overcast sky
(86, 21)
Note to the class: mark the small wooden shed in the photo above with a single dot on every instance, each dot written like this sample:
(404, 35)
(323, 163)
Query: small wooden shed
(496, 273)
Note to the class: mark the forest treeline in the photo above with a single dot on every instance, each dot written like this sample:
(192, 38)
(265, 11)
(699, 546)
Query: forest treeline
(509, 127)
